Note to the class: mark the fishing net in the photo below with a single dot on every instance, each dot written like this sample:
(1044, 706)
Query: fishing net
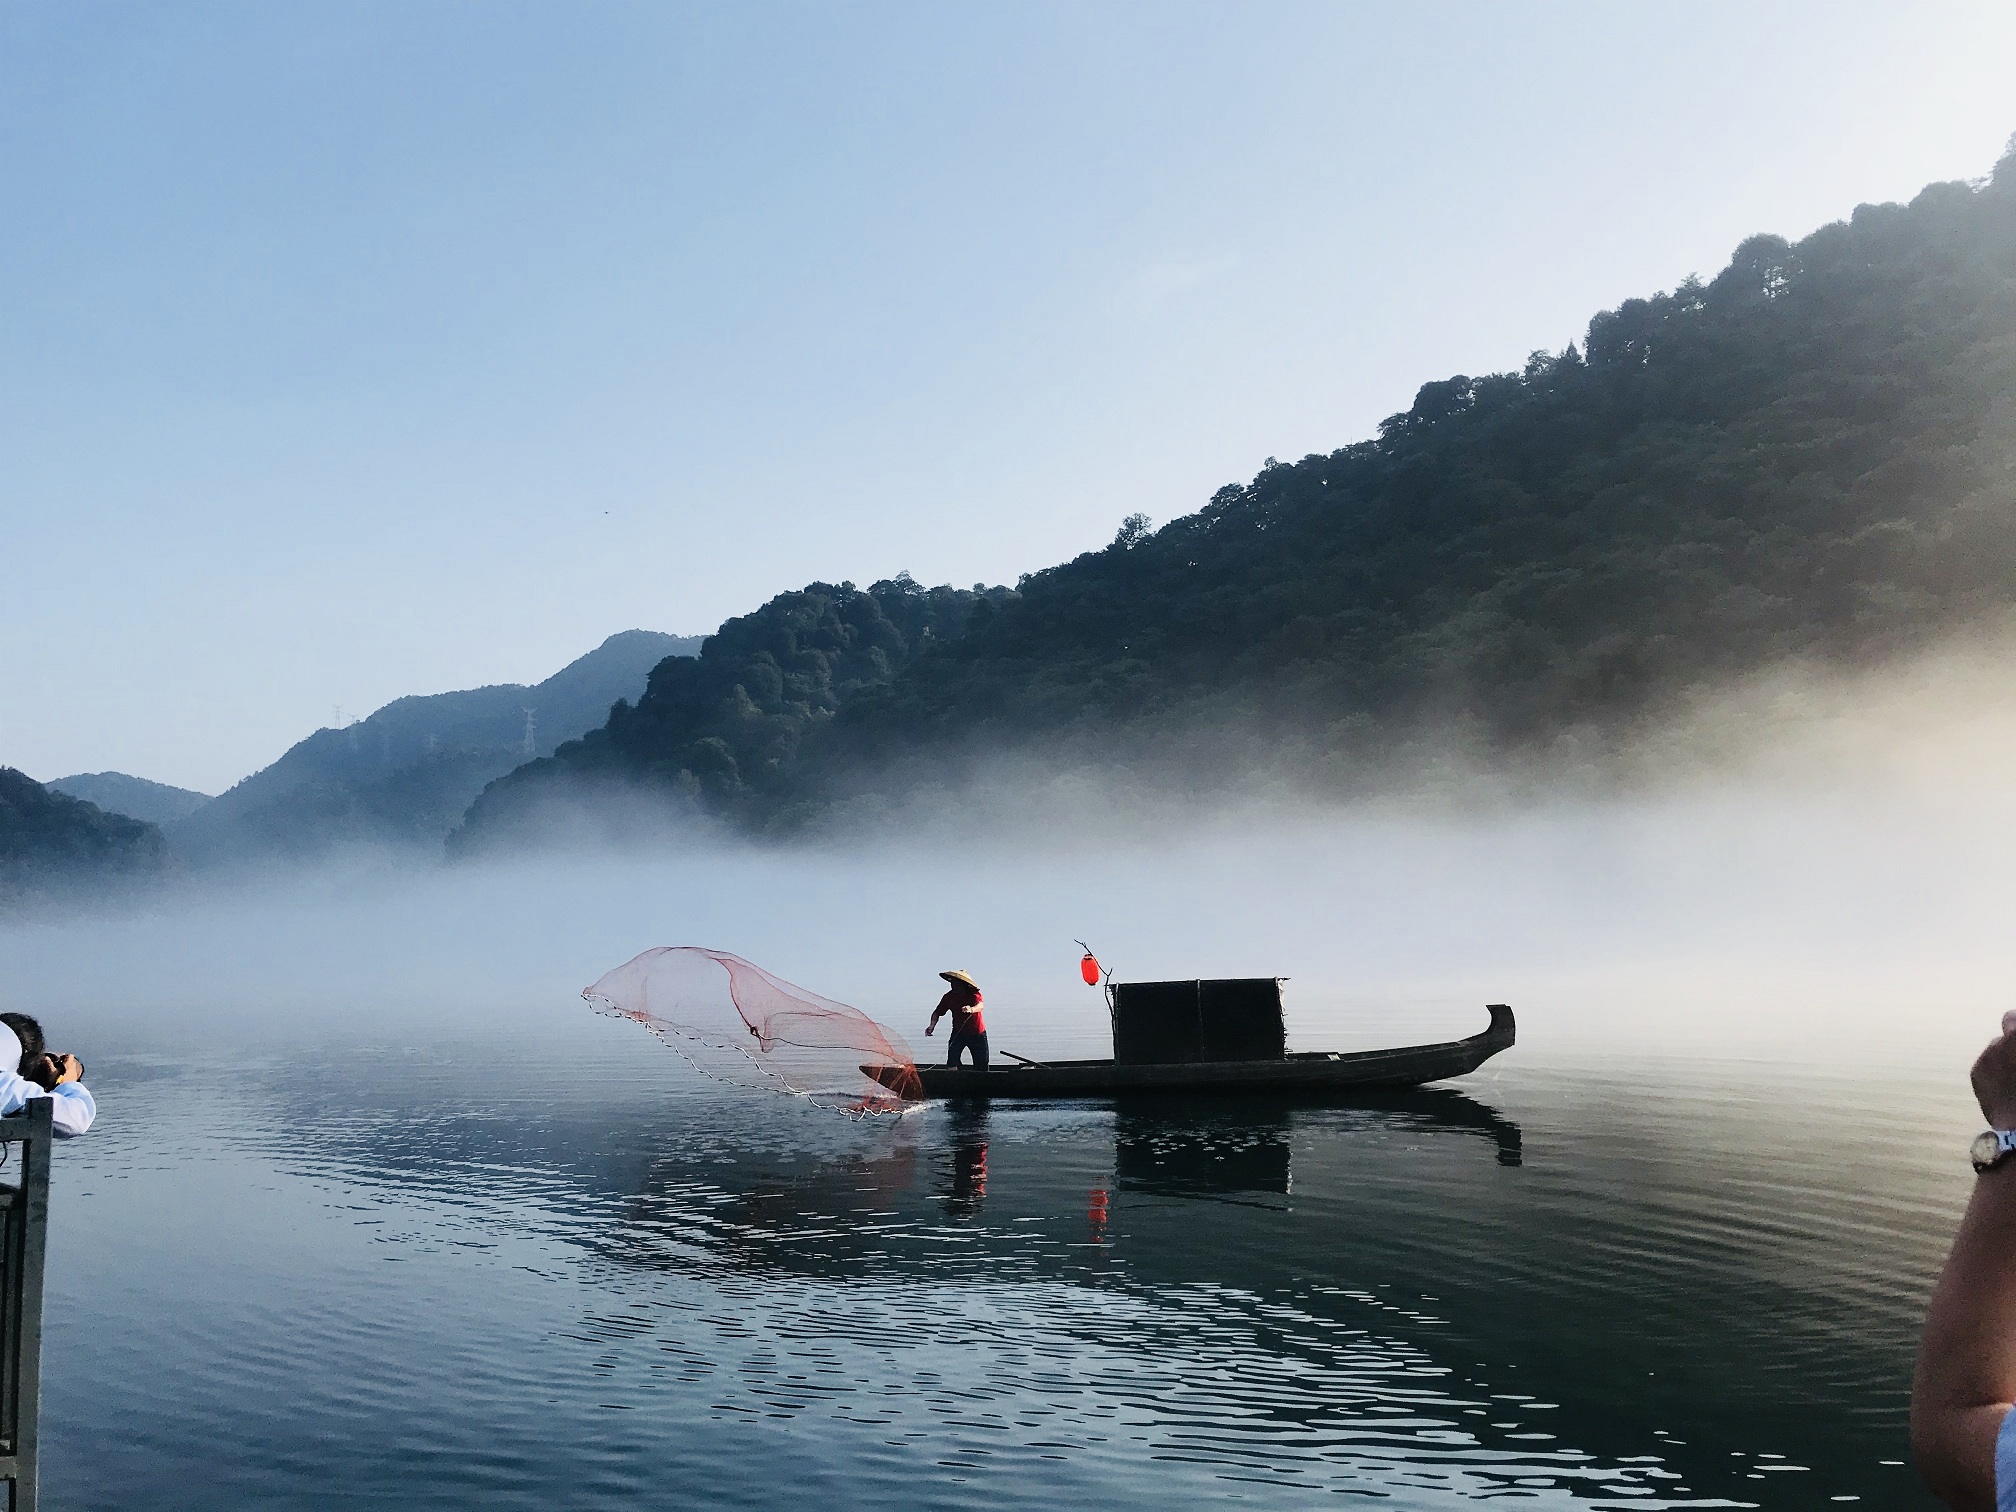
(736, 1022)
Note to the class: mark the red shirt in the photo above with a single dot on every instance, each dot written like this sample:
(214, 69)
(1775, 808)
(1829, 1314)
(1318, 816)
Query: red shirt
(966, 1017)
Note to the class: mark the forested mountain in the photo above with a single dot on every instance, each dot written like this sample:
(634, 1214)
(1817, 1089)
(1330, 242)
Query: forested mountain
(1812, 454)
(406, 774)
(718, 728)
(48, 839)
(135, 797)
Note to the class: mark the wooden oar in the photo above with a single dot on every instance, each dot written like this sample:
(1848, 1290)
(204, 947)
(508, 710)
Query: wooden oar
(1041, 1067)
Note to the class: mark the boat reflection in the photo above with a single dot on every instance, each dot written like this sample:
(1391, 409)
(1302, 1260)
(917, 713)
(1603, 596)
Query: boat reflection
(1200, 1150)
(1055, 1173)
(1224, 1146)
(1428, 1109)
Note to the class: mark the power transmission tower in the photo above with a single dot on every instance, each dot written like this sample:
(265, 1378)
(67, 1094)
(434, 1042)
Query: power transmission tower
(531, 745)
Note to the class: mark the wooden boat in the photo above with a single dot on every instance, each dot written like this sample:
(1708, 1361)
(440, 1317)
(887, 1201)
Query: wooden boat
(1319, 1071)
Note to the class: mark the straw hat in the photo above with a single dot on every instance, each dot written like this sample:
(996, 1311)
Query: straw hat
(960, 976)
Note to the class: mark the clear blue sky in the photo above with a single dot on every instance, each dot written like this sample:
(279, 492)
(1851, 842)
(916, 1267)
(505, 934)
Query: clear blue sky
(356, 350)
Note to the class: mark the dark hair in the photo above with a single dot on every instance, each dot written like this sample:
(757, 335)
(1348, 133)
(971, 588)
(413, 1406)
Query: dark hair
(26, 1030)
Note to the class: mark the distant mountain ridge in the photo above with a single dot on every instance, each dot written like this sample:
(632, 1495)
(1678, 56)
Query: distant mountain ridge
(135, 797)
(406, 774)
(49, 839)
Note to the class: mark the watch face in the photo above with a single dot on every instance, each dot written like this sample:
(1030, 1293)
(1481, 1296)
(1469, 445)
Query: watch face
(1985, 1150)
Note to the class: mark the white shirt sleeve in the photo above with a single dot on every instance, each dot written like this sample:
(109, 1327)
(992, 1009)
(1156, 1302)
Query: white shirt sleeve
(15, 1090)
(74, 1111)
(75, 1107)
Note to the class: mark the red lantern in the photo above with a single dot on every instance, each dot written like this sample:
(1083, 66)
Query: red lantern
(1089, 969)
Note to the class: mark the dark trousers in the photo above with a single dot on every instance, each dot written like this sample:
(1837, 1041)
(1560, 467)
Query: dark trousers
(962, 1040)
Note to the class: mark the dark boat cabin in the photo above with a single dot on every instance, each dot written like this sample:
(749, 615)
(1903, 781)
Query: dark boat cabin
(1187, 1023)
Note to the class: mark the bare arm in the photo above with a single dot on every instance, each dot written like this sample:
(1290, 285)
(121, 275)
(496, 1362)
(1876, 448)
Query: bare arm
(1966, 1376)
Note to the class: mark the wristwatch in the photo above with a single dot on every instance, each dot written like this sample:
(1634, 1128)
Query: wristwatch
(1991, 1147)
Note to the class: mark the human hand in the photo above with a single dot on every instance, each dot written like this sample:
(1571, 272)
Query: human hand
(930, 1029)
(69, 1068)
(1994, 1077)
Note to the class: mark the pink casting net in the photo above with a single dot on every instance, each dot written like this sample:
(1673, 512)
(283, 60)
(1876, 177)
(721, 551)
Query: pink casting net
(737, 1023)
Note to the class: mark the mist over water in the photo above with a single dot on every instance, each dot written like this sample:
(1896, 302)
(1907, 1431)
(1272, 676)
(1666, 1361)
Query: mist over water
(1704, 920)
(376, 1201)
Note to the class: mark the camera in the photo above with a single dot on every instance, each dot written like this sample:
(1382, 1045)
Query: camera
(45, 1070)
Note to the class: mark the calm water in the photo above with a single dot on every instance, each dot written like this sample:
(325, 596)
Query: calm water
(378, 1215)
(455, 1269)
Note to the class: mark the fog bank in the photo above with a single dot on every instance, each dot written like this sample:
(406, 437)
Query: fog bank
(1728, 923)
(1805, 866)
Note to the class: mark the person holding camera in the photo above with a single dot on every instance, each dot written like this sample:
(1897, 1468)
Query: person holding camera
(38, 1073)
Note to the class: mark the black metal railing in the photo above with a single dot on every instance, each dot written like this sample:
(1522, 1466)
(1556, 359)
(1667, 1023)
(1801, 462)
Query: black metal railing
(24, 1233)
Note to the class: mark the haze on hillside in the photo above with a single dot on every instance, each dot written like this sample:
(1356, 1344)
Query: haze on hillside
(1546, 580)
(1566, 575)
(1802, 462)
(643, 315)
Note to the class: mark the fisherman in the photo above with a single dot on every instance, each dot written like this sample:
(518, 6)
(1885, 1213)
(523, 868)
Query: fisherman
(32, 1071)
(969, 1030)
